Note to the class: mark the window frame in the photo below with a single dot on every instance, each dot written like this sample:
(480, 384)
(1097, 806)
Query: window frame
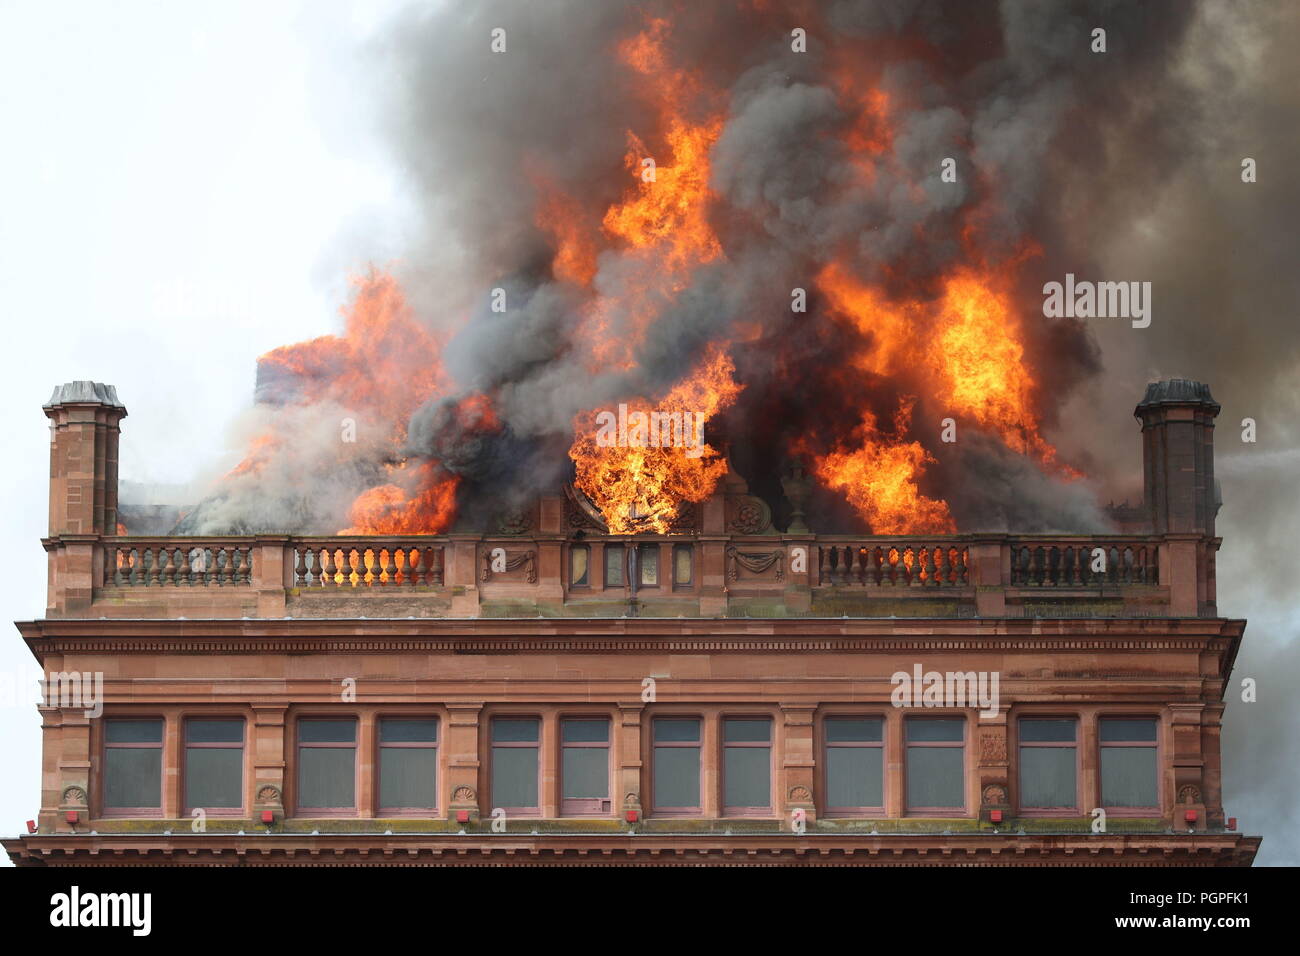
(573, 550)
(962, 745)
(1157, 745)
(185, 746)
(536, 745)
(585, 806)
(381, 746)
(764, 812)
(1024, 809)
(299, 744)
(619, 548)
(642, 548)
(689, 583)
(161, 746)
(824, 777)
(697, 744)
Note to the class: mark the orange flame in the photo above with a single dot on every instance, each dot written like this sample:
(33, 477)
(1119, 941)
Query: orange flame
(642, 487)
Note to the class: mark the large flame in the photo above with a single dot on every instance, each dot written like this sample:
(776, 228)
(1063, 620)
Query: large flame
(641, 487)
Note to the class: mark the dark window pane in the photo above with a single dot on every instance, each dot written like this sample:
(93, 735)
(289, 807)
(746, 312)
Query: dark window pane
(326, 776)
(514, 777)
(614, 565)
(677, 776)
(668, 730)
(514, 730)
(133, 731)
(327, 731)
(1128, 777)
(682, 564)
(1047, 777)
(408, 777)
(740, 730)
(934, 777)
(214, 777)
(214, 732)
(585, 731)
(853, 729)
(747, 772)
(1036, 730)
(133, 777)
(928, 730)
(579, 557)
(1120, 731)
(585, 772)
(408, 731)
(648, 564)
(854, 777)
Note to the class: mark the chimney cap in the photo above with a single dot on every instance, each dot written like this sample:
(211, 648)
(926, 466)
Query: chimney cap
(1177, 391)
(84, 392)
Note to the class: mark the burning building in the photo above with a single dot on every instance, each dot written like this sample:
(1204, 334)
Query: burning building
(550, 689)
(602, 528)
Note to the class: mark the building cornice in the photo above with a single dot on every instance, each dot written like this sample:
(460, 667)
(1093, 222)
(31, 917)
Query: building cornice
(552, 849)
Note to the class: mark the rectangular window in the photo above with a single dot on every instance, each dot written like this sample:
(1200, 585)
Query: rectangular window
(1128, 763)
(936, 766)
(579, 566)
(515, 742)
(408, 763)
(683, 565)
(647, 560)
(584, 766)
(327, 764)
(1048, 764)
(855, 764)
(214, 764)
(614, 557)
(133, 765)
(747, 765)
(677, 765)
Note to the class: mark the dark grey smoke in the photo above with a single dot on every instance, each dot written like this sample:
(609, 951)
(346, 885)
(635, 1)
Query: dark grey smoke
(1122, 166)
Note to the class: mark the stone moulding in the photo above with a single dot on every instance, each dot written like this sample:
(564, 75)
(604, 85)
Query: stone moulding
(985, 849)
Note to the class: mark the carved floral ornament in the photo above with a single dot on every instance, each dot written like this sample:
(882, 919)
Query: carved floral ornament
(74, 796)
(463, 794)
(994, 795)
(268, 794)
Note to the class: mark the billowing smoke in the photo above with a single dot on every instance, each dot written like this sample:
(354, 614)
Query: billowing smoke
(824, 173)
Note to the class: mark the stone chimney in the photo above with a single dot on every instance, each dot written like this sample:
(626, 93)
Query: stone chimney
(1178, 456)
(84, 419)
(1181, 500)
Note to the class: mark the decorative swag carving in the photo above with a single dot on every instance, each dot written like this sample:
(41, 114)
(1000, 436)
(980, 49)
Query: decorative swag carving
(755, 562)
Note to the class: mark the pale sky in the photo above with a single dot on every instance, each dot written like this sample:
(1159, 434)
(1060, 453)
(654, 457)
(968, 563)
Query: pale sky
(179, 189)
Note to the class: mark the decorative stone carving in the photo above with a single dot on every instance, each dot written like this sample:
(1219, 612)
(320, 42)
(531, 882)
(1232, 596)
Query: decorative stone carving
(993, 749)
(749, 515)
(1189, 794)
(755, 562)
(268, 794)
(800, 795)
(994, 795)
(514, 561)
(632, 801)
(463, 794)
(797, 487)
(514, 522)
(74, 796)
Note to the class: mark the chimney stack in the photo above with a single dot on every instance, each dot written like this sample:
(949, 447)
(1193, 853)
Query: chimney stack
(84, 419)
(1178, 456)
(1181, 500)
